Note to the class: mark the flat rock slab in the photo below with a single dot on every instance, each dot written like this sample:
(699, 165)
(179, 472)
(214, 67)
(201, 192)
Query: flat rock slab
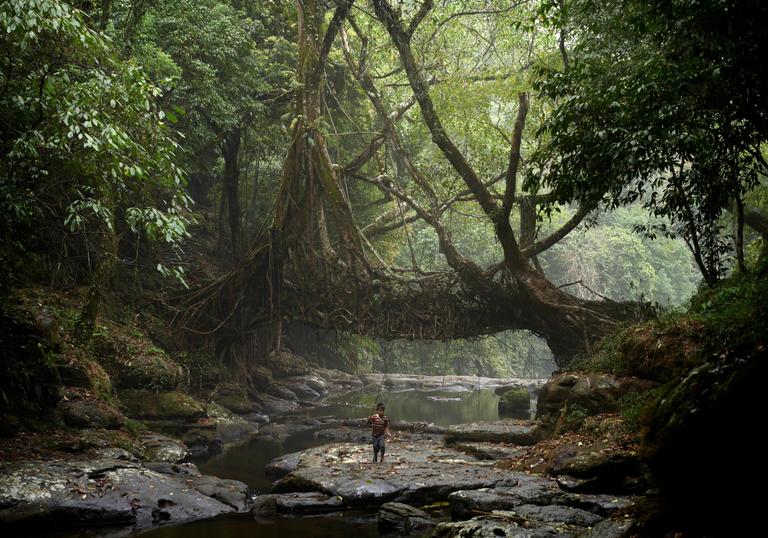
(531, 490)
(100, 492)
(514, 431)
(413, 473)
(558, 514)
(490, 451)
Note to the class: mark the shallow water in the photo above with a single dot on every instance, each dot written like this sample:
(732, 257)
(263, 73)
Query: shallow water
(443, 408)
(246, 463)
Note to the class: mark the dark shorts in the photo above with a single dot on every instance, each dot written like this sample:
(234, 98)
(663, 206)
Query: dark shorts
(379, 442)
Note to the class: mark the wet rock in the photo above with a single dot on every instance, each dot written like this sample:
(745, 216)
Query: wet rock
(180, 469)
(610, 528)
(90, 413)
(234, 398)
(283, 465)
(264, 505)
(496, 525)
(490, 451)
(99, 492)
(133, 365)
(514, 402)
(558, 514)
(279, 390)
(230, 492)
(301, 390)
(278, 406)
(413, 474)
(280, 432)
(156, 447)
(147, 404)
(524, 489)
(601, 504)
(231, 427)
(202, 440)
(501, 431)
(308, 503)
(403, 519)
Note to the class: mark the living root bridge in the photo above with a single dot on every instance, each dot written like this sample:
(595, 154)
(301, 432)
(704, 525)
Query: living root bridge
(267, 287)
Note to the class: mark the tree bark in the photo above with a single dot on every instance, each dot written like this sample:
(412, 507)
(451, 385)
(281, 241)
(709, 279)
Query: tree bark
(230, 150)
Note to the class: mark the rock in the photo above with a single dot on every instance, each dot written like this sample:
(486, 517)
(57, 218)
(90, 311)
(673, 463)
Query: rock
(414, 473)
(609, 470)
(279, 390)
(558, 514)
(156, 447)
(501, 431)
(230, 427)
(514, 402)
(594, 393)
(523, 489)
(610, 528)
(532, 490)
(348, 435)
(116, 454)
(234, 397)
(146, 404)
(230, 492)
(403, 519)
(278, 406)
(302, 391)
(308, 503)
(264, 505)
(261, 378)
(132, 364)
(490, 451)
(283, 363)
(283, 465)
(90, 413)
(98, 492)
(202, 440)
(180, 469)
(494, 525)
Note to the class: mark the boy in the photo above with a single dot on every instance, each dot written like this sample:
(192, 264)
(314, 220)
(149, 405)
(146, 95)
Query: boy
(380, 430)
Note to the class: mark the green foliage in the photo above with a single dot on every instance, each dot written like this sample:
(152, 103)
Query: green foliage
(635, 407)
(644, 115)
(574, 416)
(82, 134)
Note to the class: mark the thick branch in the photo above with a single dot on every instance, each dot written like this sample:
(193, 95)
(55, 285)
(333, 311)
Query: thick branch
(514, 156)
(540, 246)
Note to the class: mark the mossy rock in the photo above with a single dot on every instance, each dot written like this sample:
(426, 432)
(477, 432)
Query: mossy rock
(90, 413)
(285, 364)
(235, 398)
(514, 402)
(147, 404)
(87, 374)
(134, 362)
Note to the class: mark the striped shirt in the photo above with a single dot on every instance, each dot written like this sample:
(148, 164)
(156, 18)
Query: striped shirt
(378, 424)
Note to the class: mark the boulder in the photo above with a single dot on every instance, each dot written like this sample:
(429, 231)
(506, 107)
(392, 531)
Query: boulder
(593, 393)
(230, 427)
(235, 398)
(90, 413)
(309, 502)
(230, 492)
(490, 451)
(501, 431)
(147, 404)
(283, 465)
(514, 402)
(611, 528)
(403, 519)
(498, 524)
(98, 492)
(283, 363)
(156, 447)
(558, 514)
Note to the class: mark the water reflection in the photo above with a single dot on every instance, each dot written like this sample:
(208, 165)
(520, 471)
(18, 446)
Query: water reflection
(441, 407)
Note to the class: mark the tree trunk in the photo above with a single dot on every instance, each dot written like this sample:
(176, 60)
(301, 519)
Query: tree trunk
(231, 151)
